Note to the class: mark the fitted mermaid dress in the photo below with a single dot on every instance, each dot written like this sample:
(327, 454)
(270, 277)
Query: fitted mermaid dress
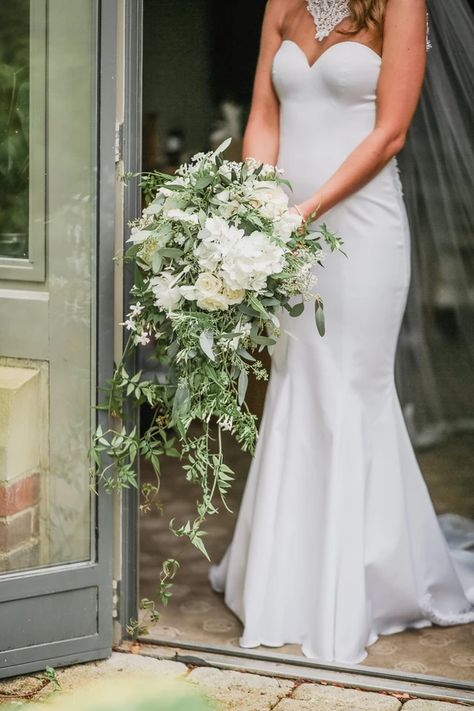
(336, 540)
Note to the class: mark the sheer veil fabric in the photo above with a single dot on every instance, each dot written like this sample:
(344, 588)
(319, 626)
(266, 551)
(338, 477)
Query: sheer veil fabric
(435, 358)
(336, 541)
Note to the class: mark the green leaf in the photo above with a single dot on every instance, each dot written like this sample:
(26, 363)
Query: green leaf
(255, 303)
(297, 309)
(156, 261)
(242, 386)
(203, 181)
(170, 252)
(221, 148)
(206, 341)
(263, 340)
(248, 310)
(180, 402)
(198, 542)
(319, 315)
(245, 355)
(172, 349)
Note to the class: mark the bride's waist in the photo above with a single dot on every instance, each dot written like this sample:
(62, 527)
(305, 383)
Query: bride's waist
(308, 172)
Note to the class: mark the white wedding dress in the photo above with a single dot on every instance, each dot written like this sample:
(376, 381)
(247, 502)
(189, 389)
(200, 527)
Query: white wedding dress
(336, 540)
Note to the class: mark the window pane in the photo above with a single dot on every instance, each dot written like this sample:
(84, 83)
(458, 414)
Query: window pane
(14, 127)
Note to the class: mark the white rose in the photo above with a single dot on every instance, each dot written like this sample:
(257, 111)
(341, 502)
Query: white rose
(233, 296)
(270, 198)
(210, 293)
(167, 294)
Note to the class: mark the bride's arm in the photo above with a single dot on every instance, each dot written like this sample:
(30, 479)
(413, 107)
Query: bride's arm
(398, 89)
(261, 137)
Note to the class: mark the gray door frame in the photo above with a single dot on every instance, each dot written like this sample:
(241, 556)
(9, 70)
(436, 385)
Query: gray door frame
(71, 588)
(131, 137)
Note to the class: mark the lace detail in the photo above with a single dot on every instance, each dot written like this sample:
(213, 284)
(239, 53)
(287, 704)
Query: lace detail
(446, 619)
(327, 14)
(428, 41)
(396, 175)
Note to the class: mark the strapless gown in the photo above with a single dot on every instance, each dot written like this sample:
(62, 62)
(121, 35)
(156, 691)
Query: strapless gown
(336, 540)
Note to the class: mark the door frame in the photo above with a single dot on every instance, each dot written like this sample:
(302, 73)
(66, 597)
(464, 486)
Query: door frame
(130, 134)
(97, 572)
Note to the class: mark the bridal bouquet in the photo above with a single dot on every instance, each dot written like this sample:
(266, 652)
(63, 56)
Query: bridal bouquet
(218, 255)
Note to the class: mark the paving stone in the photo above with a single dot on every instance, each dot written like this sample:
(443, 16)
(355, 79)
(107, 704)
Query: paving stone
(332, 698)
(120, 664)
(240, 691)
(425, 705)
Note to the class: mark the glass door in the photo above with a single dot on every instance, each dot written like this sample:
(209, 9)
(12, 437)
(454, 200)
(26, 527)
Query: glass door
(57, 133)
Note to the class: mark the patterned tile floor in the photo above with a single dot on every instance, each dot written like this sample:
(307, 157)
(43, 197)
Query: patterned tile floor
(195, 612)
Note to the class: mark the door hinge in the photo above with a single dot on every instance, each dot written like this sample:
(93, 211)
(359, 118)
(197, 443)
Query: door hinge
(118, 142)
(115, 599)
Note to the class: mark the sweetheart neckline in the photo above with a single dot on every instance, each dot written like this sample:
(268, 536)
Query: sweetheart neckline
(336, 44)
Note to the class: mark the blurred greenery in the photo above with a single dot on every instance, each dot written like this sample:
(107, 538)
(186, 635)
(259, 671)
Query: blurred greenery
(131, 692)
(14, 126)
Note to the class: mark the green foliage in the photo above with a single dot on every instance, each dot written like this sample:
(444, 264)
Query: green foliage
(134, 692)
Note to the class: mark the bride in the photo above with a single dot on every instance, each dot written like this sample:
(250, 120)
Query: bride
(337, 540)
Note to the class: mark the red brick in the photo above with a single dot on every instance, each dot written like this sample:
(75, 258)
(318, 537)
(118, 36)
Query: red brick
(20, 495)
(15, 530)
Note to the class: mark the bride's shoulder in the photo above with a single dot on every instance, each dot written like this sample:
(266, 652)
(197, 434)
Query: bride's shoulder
(276, 11)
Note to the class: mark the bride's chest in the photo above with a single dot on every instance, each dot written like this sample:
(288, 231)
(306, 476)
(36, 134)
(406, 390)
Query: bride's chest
(347, 71)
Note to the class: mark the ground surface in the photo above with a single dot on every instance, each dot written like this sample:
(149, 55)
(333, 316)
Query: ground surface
(196, 613)
(226, 690)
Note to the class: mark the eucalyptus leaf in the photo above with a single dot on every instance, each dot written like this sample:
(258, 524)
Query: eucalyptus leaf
(204, 181)
(221, 148)
(170, 252)
(242, 386)
(319, 315)
(206, 341)
(297, 309)
(264, 340)
(156, 261)
(245, 354)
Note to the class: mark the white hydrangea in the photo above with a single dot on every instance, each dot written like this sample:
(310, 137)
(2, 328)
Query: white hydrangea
(217, 238)
(286, 224)
(250, 261)
(165, 290)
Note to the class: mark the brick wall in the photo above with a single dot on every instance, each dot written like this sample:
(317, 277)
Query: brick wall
(19, 523)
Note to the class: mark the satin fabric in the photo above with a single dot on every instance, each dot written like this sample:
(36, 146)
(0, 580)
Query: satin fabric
(336, 540)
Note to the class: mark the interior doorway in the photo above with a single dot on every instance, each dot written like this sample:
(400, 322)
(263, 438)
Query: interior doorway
(199, 61)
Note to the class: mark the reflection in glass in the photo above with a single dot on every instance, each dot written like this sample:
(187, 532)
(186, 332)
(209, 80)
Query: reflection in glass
(14, 127)
(46, 506)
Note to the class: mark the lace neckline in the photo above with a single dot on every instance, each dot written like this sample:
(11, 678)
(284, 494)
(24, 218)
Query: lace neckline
(327, 14)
